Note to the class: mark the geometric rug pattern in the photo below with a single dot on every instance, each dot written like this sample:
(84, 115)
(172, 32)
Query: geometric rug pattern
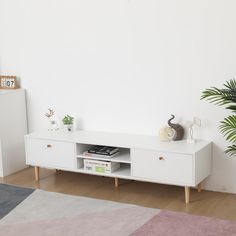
(11, 196)
(45, 213)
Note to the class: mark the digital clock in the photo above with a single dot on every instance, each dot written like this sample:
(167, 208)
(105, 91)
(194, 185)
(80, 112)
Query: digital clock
(8, 82)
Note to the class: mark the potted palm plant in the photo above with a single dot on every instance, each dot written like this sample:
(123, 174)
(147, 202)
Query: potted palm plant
(68, 121)
(225, 97)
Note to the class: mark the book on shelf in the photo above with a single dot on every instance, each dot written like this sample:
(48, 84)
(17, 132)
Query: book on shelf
(103, 150)
(101, 166)
(87, 154)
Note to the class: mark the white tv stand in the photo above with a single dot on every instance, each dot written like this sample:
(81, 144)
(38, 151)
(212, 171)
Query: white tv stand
(142, 158)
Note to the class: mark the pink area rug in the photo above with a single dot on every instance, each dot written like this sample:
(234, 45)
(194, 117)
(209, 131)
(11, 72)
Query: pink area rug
(168, 223)
(48, 214)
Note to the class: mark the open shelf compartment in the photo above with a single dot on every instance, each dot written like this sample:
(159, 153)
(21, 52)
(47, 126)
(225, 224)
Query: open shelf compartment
(123, 172)
(122, 157)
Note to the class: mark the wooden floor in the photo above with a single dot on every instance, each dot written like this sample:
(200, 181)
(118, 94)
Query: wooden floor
(220, 205)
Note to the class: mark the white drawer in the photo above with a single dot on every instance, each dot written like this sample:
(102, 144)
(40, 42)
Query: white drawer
(162, 166)
(47, 153)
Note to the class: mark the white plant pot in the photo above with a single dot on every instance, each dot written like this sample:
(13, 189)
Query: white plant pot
(69, 128)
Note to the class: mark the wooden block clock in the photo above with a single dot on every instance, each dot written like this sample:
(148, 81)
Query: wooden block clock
(8, 82)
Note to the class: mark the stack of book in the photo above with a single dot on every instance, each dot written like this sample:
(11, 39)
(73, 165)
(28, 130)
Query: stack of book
(102, 151)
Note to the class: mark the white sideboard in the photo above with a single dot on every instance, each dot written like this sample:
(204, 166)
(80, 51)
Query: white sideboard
(13, 127)
(141, 157)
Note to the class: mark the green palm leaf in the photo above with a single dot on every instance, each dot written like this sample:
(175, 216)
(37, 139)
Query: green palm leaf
(231, 85)
(225, 96)
(231, 150)
(228, 128)
(232, 108)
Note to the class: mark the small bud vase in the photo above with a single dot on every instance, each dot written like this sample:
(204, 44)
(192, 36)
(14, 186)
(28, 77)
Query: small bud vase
(52, 125)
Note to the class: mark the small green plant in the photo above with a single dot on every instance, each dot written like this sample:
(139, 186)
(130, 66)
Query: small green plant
(225, 97)
(68, 120)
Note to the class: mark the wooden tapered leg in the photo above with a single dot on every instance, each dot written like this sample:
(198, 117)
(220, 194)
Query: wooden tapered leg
(36, 171)
(116, 182)
(199, 187)
(187, 194)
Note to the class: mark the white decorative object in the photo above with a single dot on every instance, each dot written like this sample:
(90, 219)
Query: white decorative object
(13, 127)
(52, 121)
(53, 125)
(141, 157)
(196, 121)
(166, 134)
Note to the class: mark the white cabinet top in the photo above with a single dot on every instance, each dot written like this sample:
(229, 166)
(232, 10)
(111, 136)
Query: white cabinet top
(121, 140)
(10, 91)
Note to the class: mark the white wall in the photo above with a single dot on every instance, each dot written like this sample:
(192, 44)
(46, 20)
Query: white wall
(124, 65)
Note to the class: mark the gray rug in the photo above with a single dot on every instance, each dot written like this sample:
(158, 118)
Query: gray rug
(45, 213)
(11, 196)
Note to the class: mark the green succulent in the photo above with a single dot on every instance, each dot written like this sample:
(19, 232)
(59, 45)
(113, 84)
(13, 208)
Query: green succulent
(68, 120)
(225, 97)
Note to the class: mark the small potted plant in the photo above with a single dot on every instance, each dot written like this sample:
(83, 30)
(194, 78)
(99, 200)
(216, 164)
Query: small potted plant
(68, 121)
